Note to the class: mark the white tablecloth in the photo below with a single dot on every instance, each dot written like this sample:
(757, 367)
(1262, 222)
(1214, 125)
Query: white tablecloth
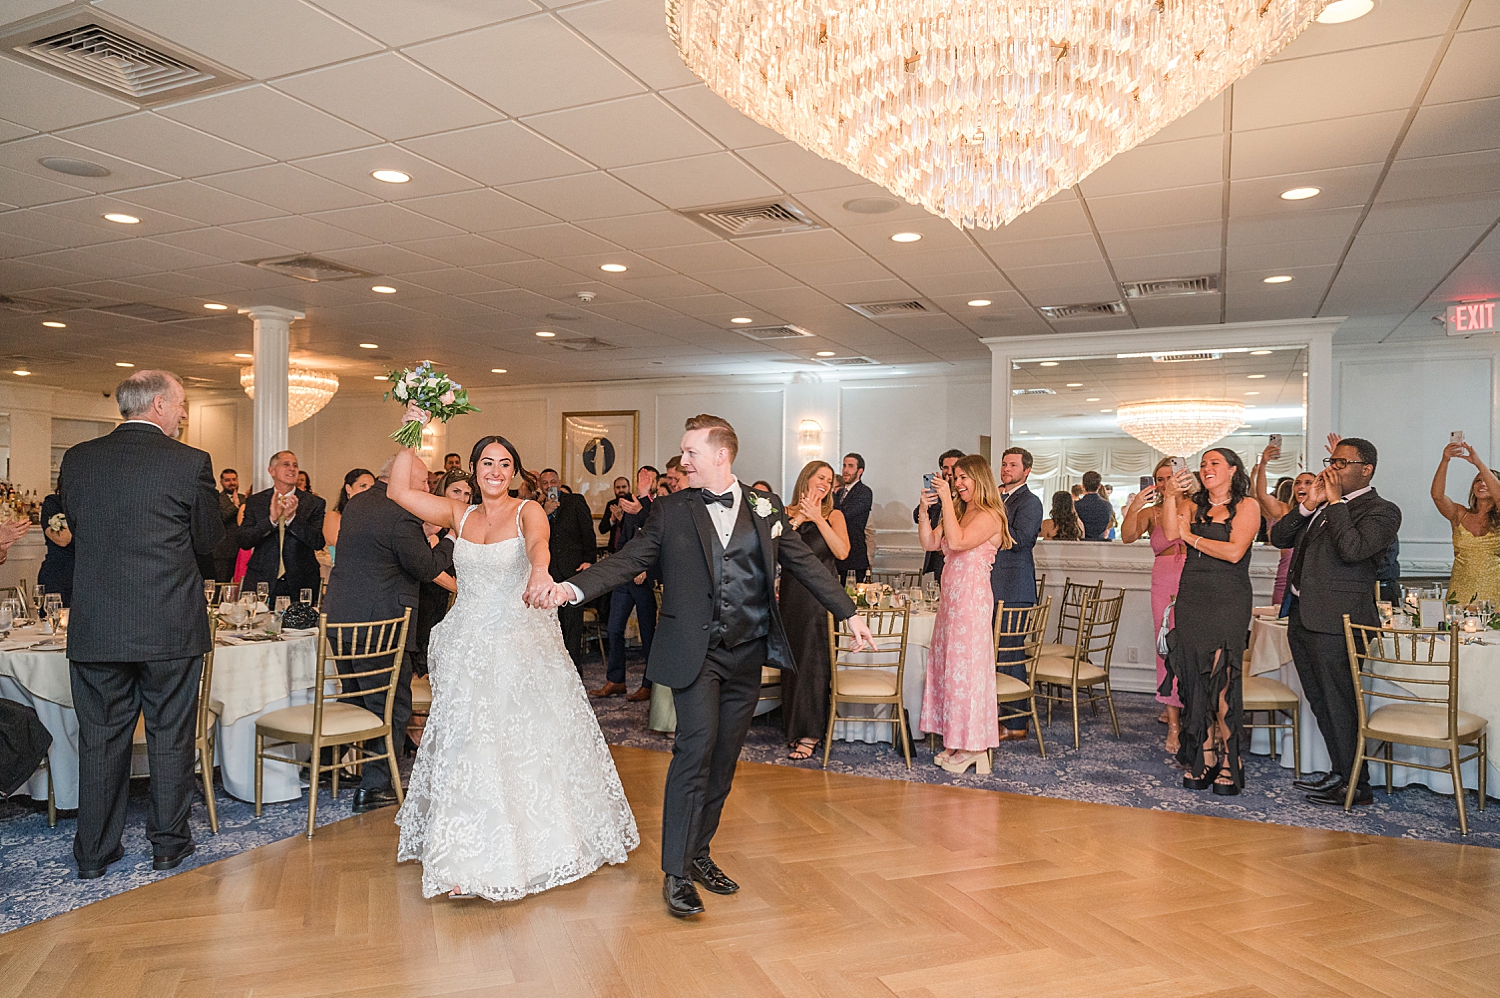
(1478, 693)
(914, 677)
(249, 680)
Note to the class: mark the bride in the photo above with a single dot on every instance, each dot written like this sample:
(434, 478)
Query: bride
(513, 790)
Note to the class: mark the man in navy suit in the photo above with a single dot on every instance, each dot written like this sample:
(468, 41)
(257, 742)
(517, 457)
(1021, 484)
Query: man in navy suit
(855, 500)
(1013, 577)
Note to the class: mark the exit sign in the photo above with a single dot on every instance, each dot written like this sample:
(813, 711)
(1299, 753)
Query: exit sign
(1471, 317)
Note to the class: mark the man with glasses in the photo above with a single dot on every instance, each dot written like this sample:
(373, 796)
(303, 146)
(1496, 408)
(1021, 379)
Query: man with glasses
(1340, 534)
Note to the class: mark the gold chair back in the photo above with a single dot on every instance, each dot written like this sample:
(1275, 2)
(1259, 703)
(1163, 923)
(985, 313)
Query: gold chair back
(1086, 665)
(869, 680)
(204, 738)
(1070, 610)
(1019, 635)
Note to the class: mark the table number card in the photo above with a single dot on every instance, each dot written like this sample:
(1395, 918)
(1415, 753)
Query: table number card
(1432, 613)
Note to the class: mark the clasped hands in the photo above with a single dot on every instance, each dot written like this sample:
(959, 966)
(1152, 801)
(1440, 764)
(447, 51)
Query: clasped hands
(544, 594)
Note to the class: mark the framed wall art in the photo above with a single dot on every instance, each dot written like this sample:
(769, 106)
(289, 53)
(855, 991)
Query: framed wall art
(597, 448)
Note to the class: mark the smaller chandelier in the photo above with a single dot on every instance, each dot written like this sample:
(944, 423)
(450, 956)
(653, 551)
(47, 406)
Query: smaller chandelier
(307, 391)
(1180, 427)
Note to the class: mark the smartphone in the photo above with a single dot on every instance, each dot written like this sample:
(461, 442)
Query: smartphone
(1276, 440)
(1147, 481)
(927, 481)
(1456, 437)
(552, 493)
(1179, 465)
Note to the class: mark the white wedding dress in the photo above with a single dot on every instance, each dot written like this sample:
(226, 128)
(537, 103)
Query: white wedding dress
(513, 790)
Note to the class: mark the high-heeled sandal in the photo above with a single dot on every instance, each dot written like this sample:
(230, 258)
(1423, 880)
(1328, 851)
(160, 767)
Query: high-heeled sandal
(979, 760)
(1224, 784)
(1210, 773)
(804, 749)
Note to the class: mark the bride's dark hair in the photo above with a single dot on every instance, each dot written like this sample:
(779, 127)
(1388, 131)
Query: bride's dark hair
(474, 455)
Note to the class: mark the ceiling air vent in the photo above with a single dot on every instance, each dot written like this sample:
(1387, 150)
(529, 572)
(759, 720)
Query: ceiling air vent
(1182, 358)
(754, 218)
(892, 309)
(1172, 287)
(147, 313)
(848, 361)
(1088, 310)
(309, 268)
(1032, 391)
(583, 344)
(787, 332)
(110, 55)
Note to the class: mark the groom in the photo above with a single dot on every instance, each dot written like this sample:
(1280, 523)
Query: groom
(717, 544)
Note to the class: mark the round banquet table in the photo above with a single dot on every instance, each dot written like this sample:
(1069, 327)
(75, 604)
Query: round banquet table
(250, 679)
(1478, 693)
(918, 641)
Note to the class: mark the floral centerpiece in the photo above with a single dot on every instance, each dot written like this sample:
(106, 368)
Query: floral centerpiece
(431, 391)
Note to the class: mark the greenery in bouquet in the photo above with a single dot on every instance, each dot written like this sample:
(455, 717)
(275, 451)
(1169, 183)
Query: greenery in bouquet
(431, 391)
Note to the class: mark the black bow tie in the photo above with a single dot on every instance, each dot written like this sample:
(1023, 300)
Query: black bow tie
(726, 500)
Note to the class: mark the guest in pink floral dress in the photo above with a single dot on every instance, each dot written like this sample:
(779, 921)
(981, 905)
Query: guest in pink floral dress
(958, 700)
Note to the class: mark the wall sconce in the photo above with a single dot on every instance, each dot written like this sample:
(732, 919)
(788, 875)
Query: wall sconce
(809, 439)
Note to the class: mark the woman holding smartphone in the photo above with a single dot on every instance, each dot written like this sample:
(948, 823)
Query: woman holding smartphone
(1476, 528)
(1143, 516)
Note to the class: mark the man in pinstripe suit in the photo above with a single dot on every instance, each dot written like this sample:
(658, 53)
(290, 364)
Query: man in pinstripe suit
(142, 507)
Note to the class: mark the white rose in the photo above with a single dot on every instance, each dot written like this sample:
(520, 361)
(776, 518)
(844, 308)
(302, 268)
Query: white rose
(762, 506)
(400, 391)
(430, 383)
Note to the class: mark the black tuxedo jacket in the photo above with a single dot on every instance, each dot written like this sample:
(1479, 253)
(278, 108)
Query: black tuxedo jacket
(383, 558)
(1338, 558)
(1013, 577)
(678, 536)
(142, 508)
(304, 539)
(855, 503)
(572, 540)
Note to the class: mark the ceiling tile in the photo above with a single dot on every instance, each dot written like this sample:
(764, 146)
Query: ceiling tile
(1065, 283)
(1282, 227)
(726, 124)
(801, 247)
(1388, 22)
(962, 288)
(718, 178)
(390, 96)
(386, 222)
(39, 100)
(25, 190)
(1204, 236)
(1384, 285)
(883, 289)
(1284, 255)
(640, 129)
(305, 235)
(1429, 213)
(224, 244)
(270, 123)
(1292, 150)
(937, 261)
(1184, 206)
(1167, 165)
(554, 241)
(656, 229)
(702, 257)
(821, 273)
(1044, 252)
(24, 275)
(585, 196)
(91, 211)
(1205, 119)
(514, 66)
(384, 260)
(202, 204)
(104, 261)
(1467, 126)
(796, 170)
(633, 34)
(1470, 70)
(746, 279)
(354, 169)
(1441, 247)
(1166, 265)
(10, 130)
(454, 281)
(23, 156)
(48, 228)
(478, 211)
(1283, 92)
(165, 145)
(289, 188)
(1341, 188)
(464, 250)
(499, 154)
(1442, 176)
(663, 286)
(401, 22)
(261, 40)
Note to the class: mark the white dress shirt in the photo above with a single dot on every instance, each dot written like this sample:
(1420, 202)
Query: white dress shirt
(145, 421)
(725, 517)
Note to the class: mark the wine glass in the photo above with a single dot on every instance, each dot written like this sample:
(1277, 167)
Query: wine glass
(209, 588)
(39, 598)
(235, 611)
(304, 596)
(263, 592)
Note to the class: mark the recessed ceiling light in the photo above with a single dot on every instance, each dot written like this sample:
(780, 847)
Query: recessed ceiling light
(1106, 410)
(981, 303)
(391, 176)
(1074, 384)
(123, 363)
(497, 370)
(1304, 374)
(741, 320)
(21, 373)
(121, 217)
(379, 377)
(906, 237)
(1048, 363)
(1252, 377)
(1278, 279)
(369, 346)
(1249, 405)
(545, 334)
(613, 268)
(383, 289)
(51, 324)
(1260, 353)
(214, 306)
(1301, 193)
(825, 353)
(1023, 431)
(1341, 11)
(244, 356)
(1252, 393)
(1093, 400)
(73, 167)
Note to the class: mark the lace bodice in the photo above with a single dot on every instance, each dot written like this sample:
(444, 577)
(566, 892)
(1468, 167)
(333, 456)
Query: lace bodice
(491, 576)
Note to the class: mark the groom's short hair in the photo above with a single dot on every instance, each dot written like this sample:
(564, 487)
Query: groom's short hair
(720, 433)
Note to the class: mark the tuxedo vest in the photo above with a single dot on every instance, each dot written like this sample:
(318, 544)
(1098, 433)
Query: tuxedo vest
(743, 612)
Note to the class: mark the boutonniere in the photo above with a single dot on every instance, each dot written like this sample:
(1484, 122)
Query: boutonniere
(57, 523)
(763, 507)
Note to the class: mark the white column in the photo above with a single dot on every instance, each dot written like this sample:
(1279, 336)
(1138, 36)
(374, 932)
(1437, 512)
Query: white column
(1000, 366)
(273, 328)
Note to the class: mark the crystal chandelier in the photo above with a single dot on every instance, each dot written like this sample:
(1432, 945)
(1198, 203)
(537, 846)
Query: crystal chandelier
(977, 111)
(1180, 427)
(307, 390)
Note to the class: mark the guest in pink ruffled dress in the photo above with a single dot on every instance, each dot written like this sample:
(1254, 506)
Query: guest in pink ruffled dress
(1143, 516)
(958, 699)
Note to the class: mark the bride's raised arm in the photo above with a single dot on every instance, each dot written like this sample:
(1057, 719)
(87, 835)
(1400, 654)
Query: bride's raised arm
(434, 509)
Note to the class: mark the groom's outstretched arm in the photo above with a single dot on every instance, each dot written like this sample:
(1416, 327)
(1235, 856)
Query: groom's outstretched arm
(638, 554)
(797, 558)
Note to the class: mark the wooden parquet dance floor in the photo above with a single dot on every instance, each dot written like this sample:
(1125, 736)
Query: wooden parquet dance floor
(851, 887)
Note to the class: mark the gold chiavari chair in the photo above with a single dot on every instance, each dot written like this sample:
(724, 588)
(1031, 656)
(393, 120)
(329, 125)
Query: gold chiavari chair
(1418, 671)
(1069, 610)
(1280, 704)
(1059, 678)
(1018, 640)
(372, 650)
(870, 680)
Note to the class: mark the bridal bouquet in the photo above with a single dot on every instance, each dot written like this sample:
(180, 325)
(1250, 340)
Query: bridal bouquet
(432, 392)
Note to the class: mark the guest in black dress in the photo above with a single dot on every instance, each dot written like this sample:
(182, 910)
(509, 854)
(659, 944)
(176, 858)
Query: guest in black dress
(1207, 646)
(433, 599)
(804, 692)
(56, 572)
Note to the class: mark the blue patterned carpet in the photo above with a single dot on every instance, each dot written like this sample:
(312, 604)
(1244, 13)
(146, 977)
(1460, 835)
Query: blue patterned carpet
(37, 873)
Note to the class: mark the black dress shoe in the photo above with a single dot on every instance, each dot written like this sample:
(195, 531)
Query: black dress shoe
(1334, 796)
(707, 873)
(681, 896)
(373, 800)
(169, 861)
(1319, 784)
(95, 872)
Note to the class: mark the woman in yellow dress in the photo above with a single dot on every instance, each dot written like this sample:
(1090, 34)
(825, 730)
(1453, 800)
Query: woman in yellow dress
(1476, 529)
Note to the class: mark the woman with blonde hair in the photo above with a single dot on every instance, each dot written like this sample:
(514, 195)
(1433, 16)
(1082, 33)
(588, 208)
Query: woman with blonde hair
(1476, 528)
(1143, 516)
(958, 701)
(804, 692)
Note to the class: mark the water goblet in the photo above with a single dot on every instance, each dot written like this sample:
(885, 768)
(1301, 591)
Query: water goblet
(304, 596)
